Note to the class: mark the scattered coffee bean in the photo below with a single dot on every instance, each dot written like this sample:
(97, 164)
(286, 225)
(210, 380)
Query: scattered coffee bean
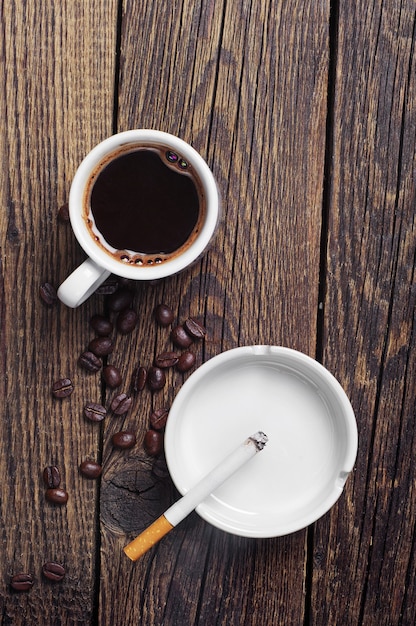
(90, 362)
(138, 380)
(51, 476)
(21, 582)
(102, 326)
(94, 412)
(90, 469)
(109, 286)
(158, 419)
(54, 572)
(163, 315)
(186, 361)
(194, 328)
(180, 337)
(48, 294)
(101, 346)
(126, 321)
(62, 388)
(153, 442)
(63, 213)
(120, 300)
(56, 495)
(111, 376)
(156, 378)
(126, 283)
(124, 439)
(166, 359)
(121, 404)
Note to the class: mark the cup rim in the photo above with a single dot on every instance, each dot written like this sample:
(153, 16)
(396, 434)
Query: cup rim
(76, 199)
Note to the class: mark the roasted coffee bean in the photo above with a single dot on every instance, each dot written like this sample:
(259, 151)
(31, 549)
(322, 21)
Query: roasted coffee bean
(48, 294)
(163, 315)
(109, 286)
(180, 337)
(54, 572)
(153, 442)
(156, 378)
(186, 361)
(194, 328)
(63, 213)
(102, 326)
(138, 380)
(121, 404)
(90, 362)
(126, 321)
(90, 469)
(158, 419)
(21, 582)
(51, 476)
(111, 376)
(57, 495)
(94, 412)
(166, 359)
(120, 300)
(124, 439)
(125, 283)
(101, 346)
(62, 388)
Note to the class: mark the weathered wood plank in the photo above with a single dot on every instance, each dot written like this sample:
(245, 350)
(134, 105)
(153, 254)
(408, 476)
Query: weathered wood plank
(364, 565)
(246, 84)
(56, 102)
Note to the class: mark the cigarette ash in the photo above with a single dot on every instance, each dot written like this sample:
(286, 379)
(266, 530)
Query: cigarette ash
(260, 439)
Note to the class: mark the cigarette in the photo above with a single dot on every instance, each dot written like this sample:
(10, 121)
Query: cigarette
(185, 505)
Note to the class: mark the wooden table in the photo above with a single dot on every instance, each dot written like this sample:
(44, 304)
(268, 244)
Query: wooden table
(306, 113)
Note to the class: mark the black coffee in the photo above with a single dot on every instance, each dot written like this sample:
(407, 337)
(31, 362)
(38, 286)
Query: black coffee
(145, 205)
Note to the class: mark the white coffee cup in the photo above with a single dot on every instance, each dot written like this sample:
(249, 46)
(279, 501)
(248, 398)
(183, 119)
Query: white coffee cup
(100, 263)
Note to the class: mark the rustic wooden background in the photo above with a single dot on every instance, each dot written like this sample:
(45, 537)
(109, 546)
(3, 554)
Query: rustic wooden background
(306, 113)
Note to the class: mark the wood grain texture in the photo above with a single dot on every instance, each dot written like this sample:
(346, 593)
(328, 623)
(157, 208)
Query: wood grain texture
(57, 73)
(364, 550)
(237, 82)
(318, 197)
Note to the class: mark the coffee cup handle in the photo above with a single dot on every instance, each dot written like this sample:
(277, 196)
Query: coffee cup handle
(82, 283)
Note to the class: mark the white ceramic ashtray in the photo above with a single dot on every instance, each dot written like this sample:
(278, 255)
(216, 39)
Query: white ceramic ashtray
(309, 422)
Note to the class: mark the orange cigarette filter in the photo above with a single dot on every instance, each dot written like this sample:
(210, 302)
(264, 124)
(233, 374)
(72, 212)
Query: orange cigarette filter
(148, 538)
